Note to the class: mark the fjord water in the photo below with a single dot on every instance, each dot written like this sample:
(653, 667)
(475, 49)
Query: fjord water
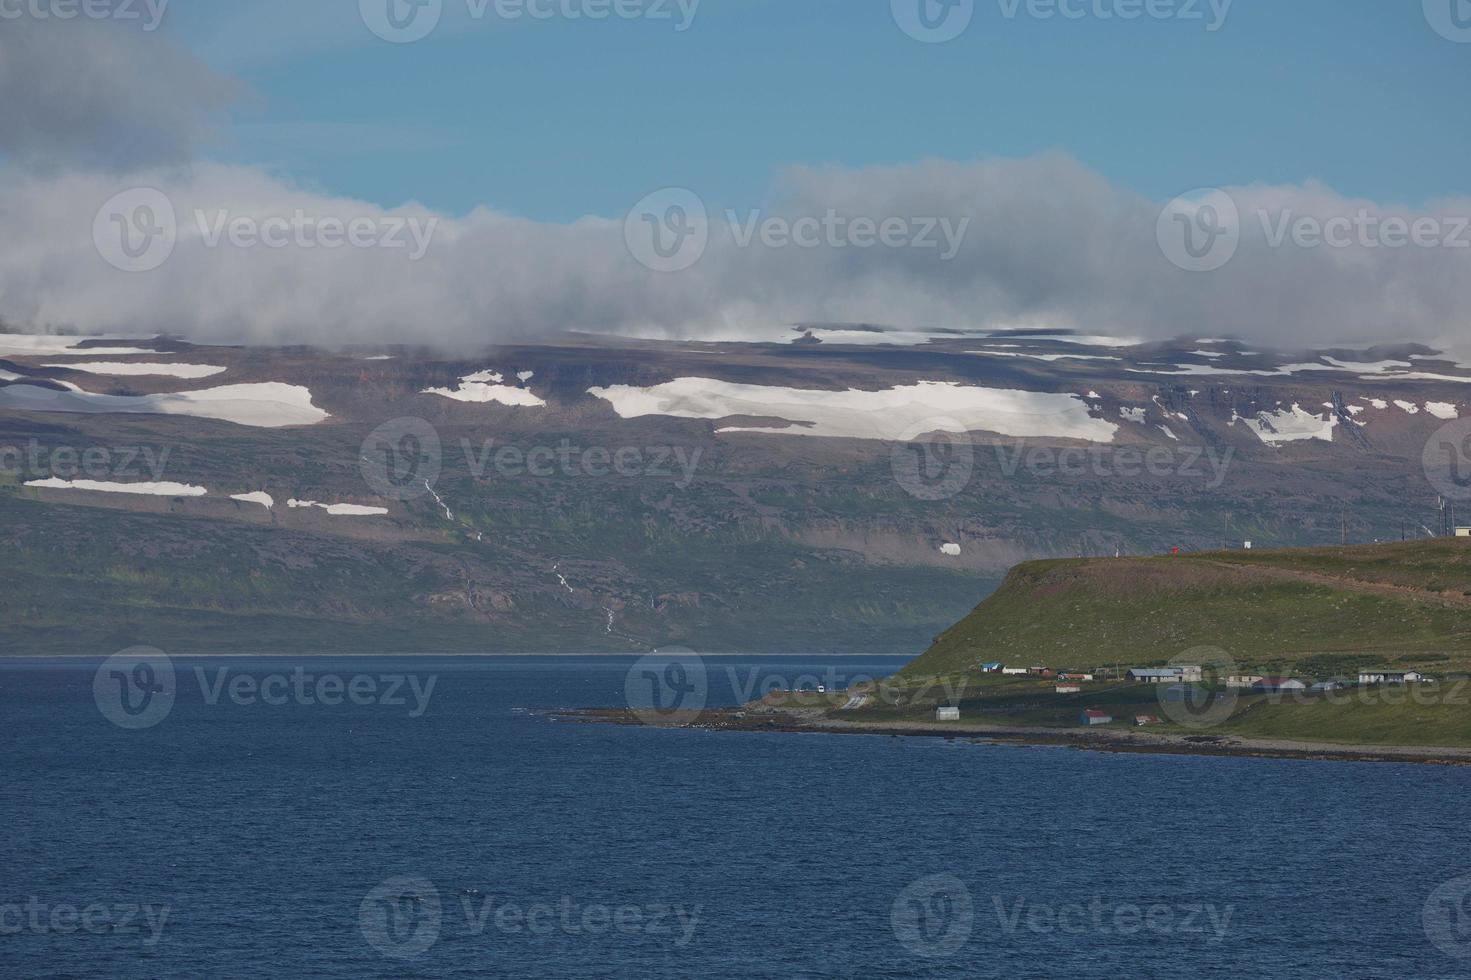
(554, 849)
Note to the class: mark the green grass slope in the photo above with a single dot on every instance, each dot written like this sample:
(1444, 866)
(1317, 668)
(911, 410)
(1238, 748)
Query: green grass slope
(1322, 611)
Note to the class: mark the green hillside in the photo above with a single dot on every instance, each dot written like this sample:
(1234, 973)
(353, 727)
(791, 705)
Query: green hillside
(1321, 611)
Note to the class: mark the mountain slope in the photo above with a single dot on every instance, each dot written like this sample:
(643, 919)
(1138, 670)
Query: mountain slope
(1317, 608)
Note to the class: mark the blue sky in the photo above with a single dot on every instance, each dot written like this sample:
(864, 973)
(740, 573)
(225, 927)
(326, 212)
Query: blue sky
(554, 120)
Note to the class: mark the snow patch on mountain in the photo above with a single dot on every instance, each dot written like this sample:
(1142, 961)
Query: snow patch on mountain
(901, 412)
(266, 405)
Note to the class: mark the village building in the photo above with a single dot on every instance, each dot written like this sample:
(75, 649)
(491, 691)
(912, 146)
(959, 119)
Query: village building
(1390, 677)
(1276, 685)
(1165, 675)
(1069, 689)
(1095, 718)
(1141, 720)
(1243, 680)
(947, 714)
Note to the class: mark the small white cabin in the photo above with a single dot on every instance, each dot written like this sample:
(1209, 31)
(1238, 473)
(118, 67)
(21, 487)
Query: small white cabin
(947, 714)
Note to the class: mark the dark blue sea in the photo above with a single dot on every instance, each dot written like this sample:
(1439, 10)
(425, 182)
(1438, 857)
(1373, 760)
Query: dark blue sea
(247, 829)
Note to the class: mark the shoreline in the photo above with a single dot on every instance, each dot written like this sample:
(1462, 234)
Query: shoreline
(810, 722)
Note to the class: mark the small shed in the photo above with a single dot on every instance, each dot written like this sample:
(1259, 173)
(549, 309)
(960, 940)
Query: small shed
(947, 714)
(1142, 720)
(1095, 718)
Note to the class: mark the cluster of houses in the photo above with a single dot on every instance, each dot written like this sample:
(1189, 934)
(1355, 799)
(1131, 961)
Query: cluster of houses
(1069, 682)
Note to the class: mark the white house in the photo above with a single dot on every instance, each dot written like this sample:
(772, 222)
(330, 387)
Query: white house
(1014, 671)
(947, 714)
(1069, 689)
(1390, 677)
(1243, 680)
